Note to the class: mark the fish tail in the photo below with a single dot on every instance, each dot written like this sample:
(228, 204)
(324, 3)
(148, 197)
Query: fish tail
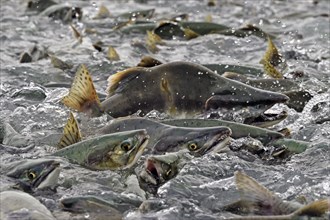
(71, 133)
(315, 209)
(271, 59)
(190, 34)
(82, 95)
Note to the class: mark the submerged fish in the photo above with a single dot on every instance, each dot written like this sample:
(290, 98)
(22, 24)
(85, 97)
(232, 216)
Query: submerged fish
(96, 207)
(266, 205)
(298, 96)
(167, 88)
(238, 130)
(21, 205)
(33, 174)
(167, 138)
(158, 170)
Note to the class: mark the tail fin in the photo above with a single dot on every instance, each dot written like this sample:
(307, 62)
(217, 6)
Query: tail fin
(71, 133)
(271, 59)
(317, 208)
(82, 96)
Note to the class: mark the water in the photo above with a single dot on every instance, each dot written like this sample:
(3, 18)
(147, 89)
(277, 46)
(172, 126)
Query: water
(204, 184)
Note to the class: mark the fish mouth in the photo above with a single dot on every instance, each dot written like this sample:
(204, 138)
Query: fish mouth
(49, 178)
(151, 169)
(138, 150)
(72, 205)
(265, 120)
(217, 143)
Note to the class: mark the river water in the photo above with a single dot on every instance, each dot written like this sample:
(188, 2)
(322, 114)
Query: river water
(204, 184)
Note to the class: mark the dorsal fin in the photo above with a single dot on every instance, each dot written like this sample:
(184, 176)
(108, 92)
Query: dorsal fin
(258, 195)
(115, 79)
(112, 54)
(82, 95)
(148, 61)
(71, 133)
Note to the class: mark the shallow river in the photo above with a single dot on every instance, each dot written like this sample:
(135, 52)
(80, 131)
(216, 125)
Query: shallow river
(204, 185)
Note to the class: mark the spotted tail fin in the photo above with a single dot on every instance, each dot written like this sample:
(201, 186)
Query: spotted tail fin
(316, 208)
(71, 133)
(271, 59)
(82, 95)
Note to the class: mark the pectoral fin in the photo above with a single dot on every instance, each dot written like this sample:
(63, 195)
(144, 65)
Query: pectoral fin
(71, 133)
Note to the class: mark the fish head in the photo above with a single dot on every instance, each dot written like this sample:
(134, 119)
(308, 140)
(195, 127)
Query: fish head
(158, 169)
(120, 151)
(35, 174)
(231, 96)
(197, 141)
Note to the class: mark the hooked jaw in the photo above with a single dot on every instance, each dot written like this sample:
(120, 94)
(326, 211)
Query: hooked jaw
(217, 143)
(49, 178)
(137, 152)
(235, 95)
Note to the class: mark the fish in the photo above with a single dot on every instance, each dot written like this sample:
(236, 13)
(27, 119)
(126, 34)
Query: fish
(34, 174)
(164, 88)
(115, 151)
(9, 136)
(97, 208)
(267, 205)
(283, 146)
(221, 69)
(170, 29)
(36, 5)
(158, 169)
(64, 12)
(167, 138)
(21, 205)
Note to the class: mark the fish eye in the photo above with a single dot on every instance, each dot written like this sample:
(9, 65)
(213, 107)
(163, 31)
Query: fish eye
(192, 146)
(126, 146)
(31, 175)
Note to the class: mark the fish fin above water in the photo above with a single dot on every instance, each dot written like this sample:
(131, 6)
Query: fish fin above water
(103, 13)
(112, 54)
(262, 199)
(116, 79)
(190, 34)
(271, 59)
(148, 61)
(82, 95)
(316, 208)
(71, 133)
(271, 70)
